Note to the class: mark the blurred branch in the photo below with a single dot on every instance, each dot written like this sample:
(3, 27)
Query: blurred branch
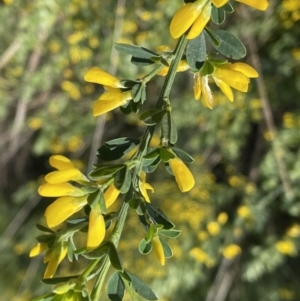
(223, 280)
(114, 59)
(10, 52)
(17, 221)
(252, 46)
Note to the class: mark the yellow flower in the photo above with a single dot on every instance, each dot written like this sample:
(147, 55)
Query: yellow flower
(201, 88)
(113, 98)
(225, 76)
(193, 16)
(222, 218)
(258, 4)
(233, 75)
(62, 189)
(183, 66)
(158, 249)
(183, 176)
(96, 230)
(54, 257)
(286, 247)
(110, 195)
(63, 208)
(232, 251)
(198, 254)
(144, 186)
(213, 228)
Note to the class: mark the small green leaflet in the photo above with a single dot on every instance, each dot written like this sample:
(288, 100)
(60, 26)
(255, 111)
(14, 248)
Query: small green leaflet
(115, 287)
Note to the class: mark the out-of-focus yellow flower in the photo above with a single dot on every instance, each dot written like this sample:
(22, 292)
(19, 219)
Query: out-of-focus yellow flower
(293, 231)
(232, 251)
(287, 294)
(286, 247)
(158, 249)
(193, 16)
(222, 218)
(213, 228)
(258, 4)
(183, 66)
(113, 98)
(243, 211)
(198, 254)
(144, 186)
(183, 175)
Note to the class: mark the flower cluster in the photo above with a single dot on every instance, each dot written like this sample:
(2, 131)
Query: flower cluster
(193, 17)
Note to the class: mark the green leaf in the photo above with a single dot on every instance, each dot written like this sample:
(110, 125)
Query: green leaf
(76, 221)
(167, 249)
(145, 247)
(45, 238)
(115, 287)
(142, 288)
(165, 154)
(97, 198)
(228, 8)
(117, 148)
(182, 155)
(136, 92)
(152, 166)
(114, 257)
(134, 203)
(170, 233)
(207, 69)
(44, 229)
(230, 46)
(56, 280)
(152, 154)
(159, 216)
(99, 252)
(105, 172)
(212, 36)
(196, 52)
(151, 232)
(136, 51)
(153, 116)
(122, 179)
(218, 15)
(141, 61)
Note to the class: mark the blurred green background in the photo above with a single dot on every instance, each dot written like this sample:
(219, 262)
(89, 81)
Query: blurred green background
(241, 222)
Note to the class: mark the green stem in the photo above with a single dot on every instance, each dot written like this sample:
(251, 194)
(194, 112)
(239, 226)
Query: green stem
(140, 153)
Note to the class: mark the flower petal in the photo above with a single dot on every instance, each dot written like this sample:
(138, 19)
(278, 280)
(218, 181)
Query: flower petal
(224, 88)
(99, 76)
(197, 86)
(55, 258)
(183, 176)
(96, 231)
(185, 17)
(158, 249)
(110, 195)
(200, 22)
(63, 208)
(258, 4)
(245, 69)
(233, 78)
(206, 92)
(62, 176)
(144, 187)
(57, 190)
(38, 249)
(60, 162)
(110, 101)
(219, 3)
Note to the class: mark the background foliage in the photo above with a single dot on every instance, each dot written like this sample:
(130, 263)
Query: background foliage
(241, 223)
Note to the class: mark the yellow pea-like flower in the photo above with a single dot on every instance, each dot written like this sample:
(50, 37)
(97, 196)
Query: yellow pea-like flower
(158, 249)
(96, 229)
(258, 4)
(144, 186)
(61, 189)
(62, 209)
(183, 175)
